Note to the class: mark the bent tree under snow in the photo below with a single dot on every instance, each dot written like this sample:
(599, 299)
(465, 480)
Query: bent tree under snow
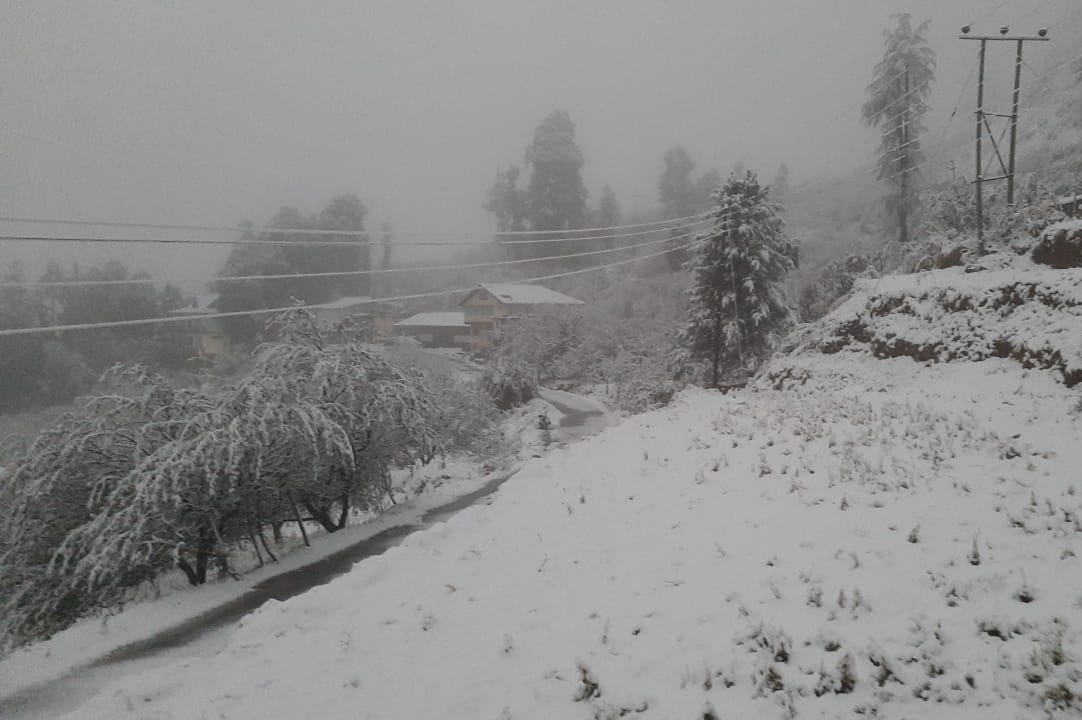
(134, 484)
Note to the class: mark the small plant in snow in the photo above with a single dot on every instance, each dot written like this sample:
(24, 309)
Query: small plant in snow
(974, 556)
(588, 685)
(1025, 594)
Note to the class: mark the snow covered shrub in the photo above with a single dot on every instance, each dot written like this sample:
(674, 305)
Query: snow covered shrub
(833, 282)
(1060, 246)
(73, 475)
(386, 414)
(509, 385)
(129, 486)
(465, 414)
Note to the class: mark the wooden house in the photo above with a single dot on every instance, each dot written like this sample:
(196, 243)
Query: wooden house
(491, 306)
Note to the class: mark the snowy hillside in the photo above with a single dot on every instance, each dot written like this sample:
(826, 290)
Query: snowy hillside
(876, 538)
(1029, 313)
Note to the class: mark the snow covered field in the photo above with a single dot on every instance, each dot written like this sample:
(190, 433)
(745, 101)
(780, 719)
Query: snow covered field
(886, 539)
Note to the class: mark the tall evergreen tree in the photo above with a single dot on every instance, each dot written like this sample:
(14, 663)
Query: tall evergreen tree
(608, 208)
(556, 195)
(386, 242)
(506, 201)
(780, 189)
(736, 303)
(676, 190)
(305, 253)
(607, 215)
(680, 196)
(896, 103)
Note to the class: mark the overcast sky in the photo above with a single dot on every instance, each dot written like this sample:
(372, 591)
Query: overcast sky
(216, 111)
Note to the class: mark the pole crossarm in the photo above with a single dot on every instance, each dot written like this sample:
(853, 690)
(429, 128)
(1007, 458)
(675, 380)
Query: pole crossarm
(1024, 38)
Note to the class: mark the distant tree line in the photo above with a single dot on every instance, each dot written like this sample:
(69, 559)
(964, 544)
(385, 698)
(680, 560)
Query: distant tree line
(44, 369)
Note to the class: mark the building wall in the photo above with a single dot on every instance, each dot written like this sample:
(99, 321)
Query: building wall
(440, 335)
(482, 313)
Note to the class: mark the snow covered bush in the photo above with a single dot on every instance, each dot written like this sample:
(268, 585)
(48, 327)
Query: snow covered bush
(509, 385)
(131, 485)
(465, 414)
(833, 282)
(1060, 245)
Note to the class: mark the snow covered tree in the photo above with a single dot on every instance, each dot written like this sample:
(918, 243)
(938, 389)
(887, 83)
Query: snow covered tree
(780, 189)
(675, 188)
(896, 103)
(298, 253)
(681, 196)
(608, 208)
(385, 412)
(556, 195)
(157, 477)
(736, 304)
(506, 201)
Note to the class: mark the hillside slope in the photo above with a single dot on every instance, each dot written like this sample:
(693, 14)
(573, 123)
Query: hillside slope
(873, 538)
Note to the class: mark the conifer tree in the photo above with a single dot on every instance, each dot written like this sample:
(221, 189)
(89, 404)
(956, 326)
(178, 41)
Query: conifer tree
(736, 303)
(896, 103)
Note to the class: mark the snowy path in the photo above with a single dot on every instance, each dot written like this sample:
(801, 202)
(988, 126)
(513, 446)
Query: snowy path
(201, 635)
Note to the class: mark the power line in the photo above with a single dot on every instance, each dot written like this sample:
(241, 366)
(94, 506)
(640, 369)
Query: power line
(306, 231)
(354, 244)
(272, 311)
(353, 273)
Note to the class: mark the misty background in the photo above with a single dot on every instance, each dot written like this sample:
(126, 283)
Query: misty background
(215, 113)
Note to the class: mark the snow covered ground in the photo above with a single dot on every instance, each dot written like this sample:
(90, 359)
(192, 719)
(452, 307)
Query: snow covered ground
(884, 539)
(852, 537)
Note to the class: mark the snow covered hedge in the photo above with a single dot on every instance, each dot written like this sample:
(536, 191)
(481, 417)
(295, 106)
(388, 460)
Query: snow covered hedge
(1033, 317)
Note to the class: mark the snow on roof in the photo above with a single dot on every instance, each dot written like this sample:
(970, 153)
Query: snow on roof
(345, 302)
(530, 295)
(434, 319)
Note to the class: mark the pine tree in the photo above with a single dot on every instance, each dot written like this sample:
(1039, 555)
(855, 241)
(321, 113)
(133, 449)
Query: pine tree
(896, 103)
(736, 303)
(780, 189)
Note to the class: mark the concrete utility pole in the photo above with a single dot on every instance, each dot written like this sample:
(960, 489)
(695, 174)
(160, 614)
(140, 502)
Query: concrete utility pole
(983, 124)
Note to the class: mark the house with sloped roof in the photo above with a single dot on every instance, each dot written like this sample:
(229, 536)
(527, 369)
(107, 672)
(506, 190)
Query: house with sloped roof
(336, 311)
(491, 306)
(200, 334)
(436, 329)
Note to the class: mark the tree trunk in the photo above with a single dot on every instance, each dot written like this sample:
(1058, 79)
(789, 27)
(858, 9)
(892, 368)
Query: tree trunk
(266, 546)
(903, 191)
(344, 515)
(188, 570)
(717, 347)
(300, 522)
(321, 515)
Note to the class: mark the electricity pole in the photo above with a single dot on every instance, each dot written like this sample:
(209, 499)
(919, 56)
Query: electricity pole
(1007, 168)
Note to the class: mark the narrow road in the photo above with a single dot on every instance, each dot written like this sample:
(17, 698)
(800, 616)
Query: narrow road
(204, 635)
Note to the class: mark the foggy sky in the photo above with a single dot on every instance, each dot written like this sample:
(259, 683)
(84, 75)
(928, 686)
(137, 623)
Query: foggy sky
(215, 111)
